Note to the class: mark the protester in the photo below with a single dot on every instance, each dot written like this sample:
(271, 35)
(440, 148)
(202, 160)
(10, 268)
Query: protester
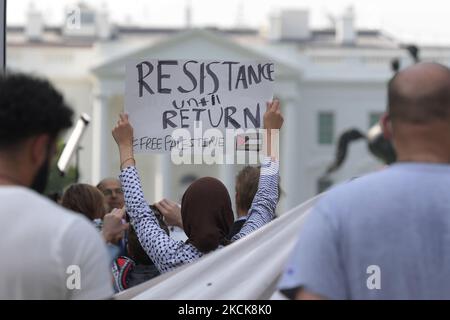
(206, 205)
(246, 186)
(112, 190)
(137, 267)
(385, 235)
(49, 252)
(90, 202)
(85, 199)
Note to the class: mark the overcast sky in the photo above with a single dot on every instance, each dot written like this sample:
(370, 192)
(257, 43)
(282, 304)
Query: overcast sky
(417, 21)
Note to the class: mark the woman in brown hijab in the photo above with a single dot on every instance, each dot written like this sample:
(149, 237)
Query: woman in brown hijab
(205, 208)
(207, 214)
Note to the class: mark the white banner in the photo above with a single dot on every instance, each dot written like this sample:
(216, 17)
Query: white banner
(162, 96)
(245, 270)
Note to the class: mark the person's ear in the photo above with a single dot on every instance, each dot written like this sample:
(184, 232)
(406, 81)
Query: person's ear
(40, 149)
(386, 126)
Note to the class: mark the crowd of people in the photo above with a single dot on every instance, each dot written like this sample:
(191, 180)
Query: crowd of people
(100, 240)
(113, 237)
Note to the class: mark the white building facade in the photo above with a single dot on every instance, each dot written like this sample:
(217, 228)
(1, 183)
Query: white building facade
(327, 80)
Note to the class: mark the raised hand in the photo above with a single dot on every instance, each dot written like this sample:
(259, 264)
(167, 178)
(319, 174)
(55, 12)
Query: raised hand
(113, 225)
(273, 121)
(272, 117)
(123, 131)
(123, 134)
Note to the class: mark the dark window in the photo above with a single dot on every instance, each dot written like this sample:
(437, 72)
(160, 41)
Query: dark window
(326, 128)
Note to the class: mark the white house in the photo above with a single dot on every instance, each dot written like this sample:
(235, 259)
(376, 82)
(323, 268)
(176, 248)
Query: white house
(328, 81)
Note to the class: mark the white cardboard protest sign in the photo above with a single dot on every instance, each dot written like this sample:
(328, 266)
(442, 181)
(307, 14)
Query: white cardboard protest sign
(164, 95)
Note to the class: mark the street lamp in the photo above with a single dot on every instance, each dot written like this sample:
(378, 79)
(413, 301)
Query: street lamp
(72, 146)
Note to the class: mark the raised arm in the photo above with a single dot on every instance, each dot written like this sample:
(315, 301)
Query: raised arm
(165, 252)
(263, 206)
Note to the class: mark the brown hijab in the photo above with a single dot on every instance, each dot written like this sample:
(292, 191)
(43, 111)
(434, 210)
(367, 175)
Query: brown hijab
(207, 214)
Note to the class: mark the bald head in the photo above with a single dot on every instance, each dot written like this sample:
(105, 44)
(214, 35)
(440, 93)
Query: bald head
(420, 94)
(108, 181)
(418, 121)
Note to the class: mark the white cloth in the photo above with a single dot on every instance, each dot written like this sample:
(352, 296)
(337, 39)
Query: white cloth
(42, 245)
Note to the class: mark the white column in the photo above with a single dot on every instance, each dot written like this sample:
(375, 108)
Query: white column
(100, 135)
(290, 162)
(163, 178)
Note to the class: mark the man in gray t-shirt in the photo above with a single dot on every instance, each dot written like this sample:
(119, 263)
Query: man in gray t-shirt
(387, 235)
